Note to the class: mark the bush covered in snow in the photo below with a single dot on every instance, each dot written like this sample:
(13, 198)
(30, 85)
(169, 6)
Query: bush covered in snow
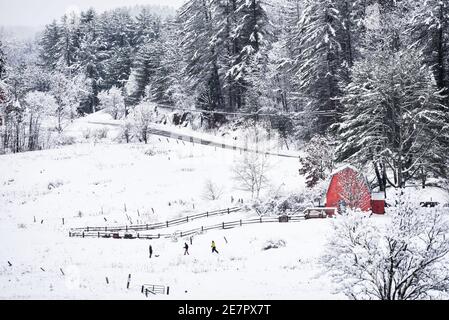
(404, 259)
(63, 140)
(292, 203)
(55, 184)
(280, 205)
(274, 244)
(101, 133)
(86, 133)
(150, 152)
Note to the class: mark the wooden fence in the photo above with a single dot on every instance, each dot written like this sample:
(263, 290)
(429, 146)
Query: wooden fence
(155, 289)
(222, 226)
(159, 225)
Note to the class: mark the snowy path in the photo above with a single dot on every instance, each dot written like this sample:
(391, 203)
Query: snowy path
(206, 142)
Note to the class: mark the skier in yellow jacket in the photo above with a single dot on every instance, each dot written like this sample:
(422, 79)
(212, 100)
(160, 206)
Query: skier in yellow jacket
(214, 247)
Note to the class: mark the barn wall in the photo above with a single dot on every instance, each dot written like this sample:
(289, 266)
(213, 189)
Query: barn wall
(336, 189)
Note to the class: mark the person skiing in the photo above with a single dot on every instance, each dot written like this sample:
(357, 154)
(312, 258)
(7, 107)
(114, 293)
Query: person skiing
(151, 251)
(186, 247)
(214, 247)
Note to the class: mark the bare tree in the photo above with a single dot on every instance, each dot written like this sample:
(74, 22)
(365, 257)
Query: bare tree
(250, 171)
(212, 191)
(353, 188)
(406, 259)
(143, 115)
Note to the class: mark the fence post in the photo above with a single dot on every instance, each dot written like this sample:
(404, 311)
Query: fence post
(98, 234)
(223, 225)
(70, 234)
(138, 237)
(260, 219)
(181, 234)
(147, 226)
(202, 229)
(129, 280)
(240, 222)
(62, 221)
(87, 229)
(207, 214)
(142, 289)
(107, 280)
(168, 291)
(187, 218)
(126, 228)
(167, 224)
(83, 234)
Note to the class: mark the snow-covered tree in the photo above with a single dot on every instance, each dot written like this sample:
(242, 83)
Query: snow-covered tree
(145, 71)
(38, 104)
(212, 191)
(352, 189)
(143, 115)
(404, 259)
(48, 45)
(2, 62)
(62, 90)
(319, 59)
(317, 160)
(393, 118)
(429, 28)
(250, 172)
(201, 53)
(113, 102)
(66, 46)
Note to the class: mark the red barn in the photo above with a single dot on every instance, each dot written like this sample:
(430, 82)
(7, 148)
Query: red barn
(348, 188)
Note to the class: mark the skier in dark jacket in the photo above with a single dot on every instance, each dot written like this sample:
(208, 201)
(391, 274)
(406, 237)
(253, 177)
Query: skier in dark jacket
(214, 247)
(186, 247)
(151, 251)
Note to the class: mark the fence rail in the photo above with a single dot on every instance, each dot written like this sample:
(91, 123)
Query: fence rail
(222, 226)
(154, 289)
(158, 225)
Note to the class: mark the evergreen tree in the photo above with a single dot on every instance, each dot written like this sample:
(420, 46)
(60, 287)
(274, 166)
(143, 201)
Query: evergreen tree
(394, 119)
(429, 28)
(147, 27)
(49, 46)
(319, 58)
(91, 55)
(66, 45)
(147, 63)
(2, 62)
(201, 54)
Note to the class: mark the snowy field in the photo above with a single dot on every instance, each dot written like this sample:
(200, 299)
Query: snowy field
(101, 183)
(105, 184)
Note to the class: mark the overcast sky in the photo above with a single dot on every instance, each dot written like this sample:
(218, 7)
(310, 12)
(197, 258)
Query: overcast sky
(40, 12)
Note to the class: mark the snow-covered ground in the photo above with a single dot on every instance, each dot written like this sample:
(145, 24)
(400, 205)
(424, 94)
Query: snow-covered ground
(91, 184)
(101, 183)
